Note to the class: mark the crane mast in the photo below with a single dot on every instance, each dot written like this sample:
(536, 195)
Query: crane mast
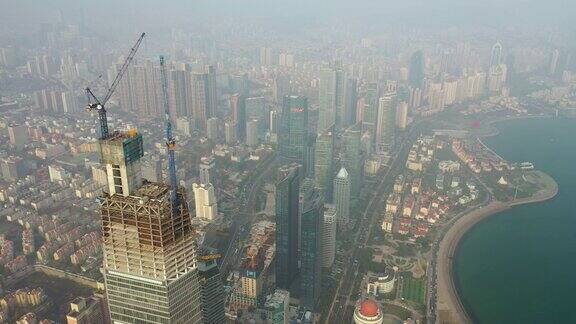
(98, 105)
(170, 141)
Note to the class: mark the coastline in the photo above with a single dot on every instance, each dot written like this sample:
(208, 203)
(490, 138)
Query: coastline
(450, 308)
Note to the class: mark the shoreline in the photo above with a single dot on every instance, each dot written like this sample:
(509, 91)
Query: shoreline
(449, 305)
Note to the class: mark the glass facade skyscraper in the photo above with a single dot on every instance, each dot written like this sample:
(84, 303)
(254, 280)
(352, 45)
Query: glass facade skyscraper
(323, 162)
(293, 137)
(287, 210)
(310, 253)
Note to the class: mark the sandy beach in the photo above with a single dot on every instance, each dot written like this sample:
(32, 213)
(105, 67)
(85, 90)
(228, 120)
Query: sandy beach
(449, 306)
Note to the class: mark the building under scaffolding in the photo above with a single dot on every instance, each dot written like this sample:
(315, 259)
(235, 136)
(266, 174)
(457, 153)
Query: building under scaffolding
(149, 253)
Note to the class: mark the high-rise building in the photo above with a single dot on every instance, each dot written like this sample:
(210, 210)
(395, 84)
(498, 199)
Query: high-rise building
(328, 236)
(87, 311)
(211, 91)
(252, 133)
(281, 87)
(18, 135)
(287, 212)
(323, 162)
(199, 98)
(353, 158)
(312, 216)
(350, 101)
(553, 66)
(206, 168)
(385, 127)
(276, 307)
(342, 197)
(213, 128)
(12, 168)
(230, 132)
(211, 291)
(370, 114)
(496, 55)
(205, 201)
(238, 104)
(402, 115)
(331, 97)
(149, 251)
(266, 56)
(416, 70)
(293, 137)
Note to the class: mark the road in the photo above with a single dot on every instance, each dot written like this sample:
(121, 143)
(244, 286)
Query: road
(369, 217)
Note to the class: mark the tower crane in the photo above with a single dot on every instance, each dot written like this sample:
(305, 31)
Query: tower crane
(98, 105)
(170, 142)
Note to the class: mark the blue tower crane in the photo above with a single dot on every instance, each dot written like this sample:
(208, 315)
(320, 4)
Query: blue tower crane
(170, 142)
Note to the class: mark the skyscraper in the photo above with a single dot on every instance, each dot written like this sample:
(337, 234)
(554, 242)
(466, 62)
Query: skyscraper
(370, 115)
(323, 162)
(353, 158)
(385, 127)
(205, 201)
(496, 55)
(149, 251)
(211, 291)
(287, 211)
(206, 168)
(199, 104)
(402, 115)
(350, 101)
(252, 133)
(312, 215)
(280, 88)
(293, 137)
(238, 104)
(416, 70)
(328, 236)
(331, 97)
(211, 91)
(342, 197)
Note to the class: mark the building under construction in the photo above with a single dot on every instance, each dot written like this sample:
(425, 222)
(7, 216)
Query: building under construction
(149, 251)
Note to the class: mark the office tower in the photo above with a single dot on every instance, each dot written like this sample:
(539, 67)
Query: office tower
(370, 115)
(199, 103)
(206, 167)
(402, 115)
(416, 70)
(213, 128)
(273, 121)
(353, 158)
(386, 123)
(238, 104)
(331, 97)
(342, 197)
(149, 251)
(205, 201)
(211, 91)
(312, 215)
(350, 101)
(179, 88)
(276, 307)
(230, 132)
(293, 137)
(328, 236)
(18, 135)
(496, 55)
(323, 163)
(211, 291)
(287, 211)
(252, 133)
(280, 87)
(86, 311)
